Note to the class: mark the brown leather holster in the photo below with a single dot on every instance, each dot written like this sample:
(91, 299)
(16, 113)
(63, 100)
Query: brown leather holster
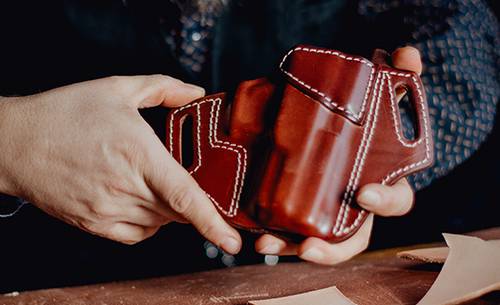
(287, 156)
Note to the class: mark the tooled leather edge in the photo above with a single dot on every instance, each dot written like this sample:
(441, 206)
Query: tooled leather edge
(356, 117)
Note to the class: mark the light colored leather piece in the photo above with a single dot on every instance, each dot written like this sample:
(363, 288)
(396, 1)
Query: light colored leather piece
(326, 296)
(471, 270)
(426, 255)
(435, 255)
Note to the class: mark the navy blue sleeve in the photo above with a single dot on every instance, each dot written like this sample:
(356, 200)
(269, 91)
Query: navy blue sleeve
(459, 44)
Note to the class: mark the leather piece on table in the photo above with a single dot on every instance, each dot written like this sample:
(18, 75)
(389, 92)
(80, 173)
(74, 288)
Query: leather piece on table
(287, 154)
(371, 279)
(472, 269)
(436, 255)
(326, 296)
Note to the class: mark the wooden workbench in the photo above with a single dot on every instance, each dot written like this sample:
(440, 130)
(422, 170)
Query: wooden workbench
(373, 278)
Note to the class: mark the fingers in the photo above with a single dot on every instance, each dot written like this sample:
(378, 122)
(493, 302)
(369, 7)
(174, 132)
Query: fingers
(269, 244)
(407, 58)
(176, 188)
(169, 92)
(146, 91)
(384, 200)
(321, 252)
(317, 250)
(145, 217)
(128, 233)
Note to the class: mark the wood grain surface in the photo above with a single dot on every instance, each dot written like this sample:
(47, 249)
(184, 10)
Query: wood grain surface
(373, 278)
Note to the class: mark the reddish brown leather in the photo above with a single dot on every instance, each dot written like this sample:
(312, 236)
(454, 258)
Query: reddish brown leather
(289, 156)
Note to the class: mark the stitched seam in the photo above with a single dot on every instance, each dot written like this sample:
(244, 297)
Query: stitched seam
(198, 126)
(358, 115)
(240, 173)
(358, 165)
(198, 146)
(342, 230)
(426, 137)
(394, 118)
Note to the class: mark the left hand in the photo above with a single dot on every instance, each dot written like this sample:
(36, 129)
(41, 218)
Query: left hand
(383, 200)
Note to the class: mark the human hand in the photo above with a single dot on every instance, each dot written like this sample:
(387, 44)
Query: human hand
(383, 200)
(83, 154)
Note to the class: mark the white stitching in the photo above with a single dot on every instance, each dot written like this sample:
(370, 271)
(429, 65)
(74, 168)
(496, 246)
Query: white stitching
(198, 146)
(338, 231)
(240, 173)
(198, 123)
(394, 118)
(426, 137)
(322, 94)
(360, 155)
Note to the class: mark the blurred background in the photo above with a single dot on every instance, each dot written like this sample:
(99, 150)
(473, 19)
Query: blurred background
(47, 44)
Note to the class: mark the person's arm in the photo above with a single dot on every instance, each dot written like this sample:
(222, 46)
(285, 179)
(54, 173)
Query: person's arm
(83, 154)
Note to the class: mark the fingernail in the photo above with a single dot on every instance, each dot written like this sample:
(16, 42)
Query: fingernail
(271, 249)
(313, 254)
(197, 88)
(369, 198)
(231, 245)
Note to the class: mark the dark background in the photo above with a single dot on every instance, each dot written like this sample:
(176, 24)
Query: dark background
(41, 50)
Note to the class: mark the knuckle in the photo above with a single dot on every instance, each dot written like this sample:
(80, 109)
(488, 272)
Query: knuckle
(128, 237)
(130, 242)
(101, 229)
(181, 200)
(159, 78)
(162, 79)
(208, 228)
(91, 227)
(157, 81)
(102, 210)
(115, 82)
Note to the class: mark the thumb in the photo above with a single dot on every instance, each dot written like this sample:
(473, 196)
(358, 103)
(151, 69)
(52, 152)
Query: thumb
(387, 200)
(154, 90)
(407, 58)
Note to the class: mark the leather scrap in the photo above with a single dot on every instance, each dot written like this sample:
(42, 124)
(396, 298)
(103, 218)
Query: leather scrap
(427, 255)
(471, 270)
(326, 296)
(435, 255)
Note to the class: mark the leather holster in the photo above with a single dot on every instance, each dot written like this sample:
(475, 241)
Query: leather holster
(286, 156)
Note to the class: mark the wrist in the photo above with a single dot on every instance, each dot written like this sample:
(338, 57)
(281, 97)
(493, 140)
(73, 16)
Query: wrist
(7, 122)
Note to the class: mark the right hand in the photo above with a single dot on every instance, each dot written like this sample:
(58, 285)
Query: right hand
(83, 154)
